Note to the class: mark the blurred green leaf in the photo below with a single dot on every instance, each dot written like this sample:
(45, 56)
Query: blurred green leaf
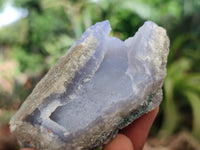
(142, 9)
(194, 100)
(15, 33)
(5, 116)
(178, 80)
(171, 115)
(29, 62)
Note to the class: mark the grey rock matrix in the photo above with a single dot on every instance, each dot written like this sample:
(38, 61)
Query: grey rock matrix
(101, 85)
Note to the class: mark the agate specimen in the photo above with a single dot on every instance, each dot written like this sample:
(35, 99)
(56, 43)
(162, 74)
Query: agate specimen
(101, 85)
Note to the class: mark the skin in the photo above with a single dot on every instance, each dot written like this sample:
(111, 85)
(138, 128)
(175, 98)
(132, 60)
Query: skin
(133, 136)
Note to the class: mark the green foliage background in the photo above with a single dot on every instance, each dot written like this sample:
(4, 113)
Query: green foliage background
(35, 43)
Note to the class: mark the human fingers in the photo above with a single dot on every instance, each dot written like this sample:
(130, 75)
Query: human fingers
(138, 131)
(120, 142)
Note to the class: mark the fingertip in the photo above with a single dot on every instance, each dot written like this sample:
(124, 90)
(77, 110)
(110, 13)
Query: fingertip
(138, 131)
(155, 111)
(120, 142)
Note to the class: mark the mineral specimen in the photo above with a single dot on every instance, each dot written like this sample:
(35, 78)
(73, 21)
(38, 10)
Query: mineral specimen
(100, 86)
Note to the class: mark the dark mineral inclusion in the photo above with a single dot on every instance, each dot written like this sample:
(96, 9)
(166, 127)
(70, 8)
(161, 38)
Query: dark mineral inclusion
(100, 86)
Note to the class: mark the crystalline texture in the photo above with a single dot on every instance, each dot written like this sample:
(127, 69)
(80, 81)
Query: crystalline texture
(100, 86)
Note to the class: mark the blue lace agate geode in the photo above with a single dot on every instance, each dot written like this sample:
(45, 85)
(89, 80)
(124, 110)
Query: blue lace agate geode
(100, 86)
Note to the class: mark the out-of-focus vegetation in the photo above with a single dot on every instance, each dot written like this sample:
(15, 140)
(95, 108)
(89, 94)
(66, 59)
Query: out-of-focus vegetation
(30, 46)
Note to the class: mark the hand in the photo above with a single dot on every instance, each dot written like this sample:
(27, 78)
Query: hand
(133, 136)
